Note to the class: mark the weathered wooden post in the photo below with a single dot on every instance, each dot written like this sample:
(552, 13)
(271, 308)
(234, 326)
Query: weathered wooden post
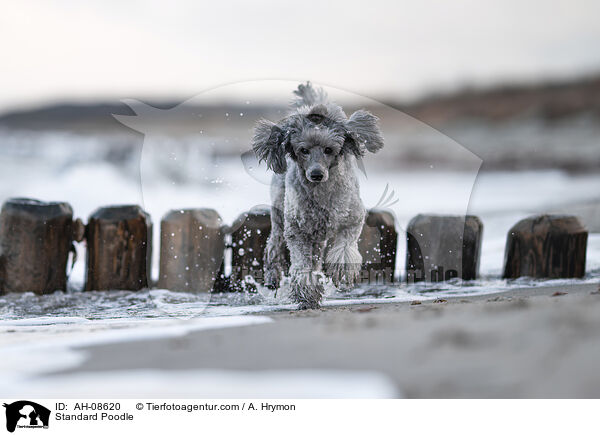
(192, 246)
(377, 245)
(35, 240)
(249, 235)
(443, 247)
(546, 246)
(119, 248)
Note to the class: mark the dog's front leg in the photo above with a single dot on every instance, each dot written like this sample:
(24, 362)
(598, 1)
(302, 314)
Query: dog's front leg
(305, 280)
(343, 260)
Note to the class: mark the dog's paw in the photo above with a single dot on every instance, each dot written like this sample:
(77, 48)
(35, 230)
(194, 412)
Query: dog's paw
(307, 289)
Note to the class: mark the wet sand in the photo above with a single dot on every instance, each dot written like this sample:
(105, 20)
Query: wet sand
(525, 343)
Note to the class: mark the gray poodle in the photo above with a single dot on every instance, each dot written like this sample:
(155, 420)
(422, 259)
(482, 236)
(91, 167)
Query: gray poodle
(317, 211)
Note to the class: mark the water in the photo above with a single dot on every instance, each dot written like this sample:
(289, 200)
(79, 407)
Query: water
(28, 309)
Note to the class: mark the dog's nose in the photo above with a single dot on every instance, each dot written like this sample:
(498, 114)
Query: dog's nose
(316, 175)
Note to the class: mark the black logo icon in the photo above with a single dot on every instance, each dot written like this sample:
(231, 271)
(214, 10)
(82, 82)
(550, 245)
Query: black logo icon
(26, 414)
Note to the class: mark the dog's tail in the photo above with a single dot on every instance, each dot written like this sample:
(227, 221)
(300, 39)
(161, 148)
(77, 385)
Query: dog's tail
(307, 95)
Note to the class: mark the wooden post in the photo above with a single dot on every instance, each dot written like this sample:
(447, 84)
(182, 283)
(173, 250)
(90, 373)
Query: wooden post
(249, 239)
(119, 248)
(192, 246)
(377, 245)
(546, 246)
(35, 240)
(443, 247)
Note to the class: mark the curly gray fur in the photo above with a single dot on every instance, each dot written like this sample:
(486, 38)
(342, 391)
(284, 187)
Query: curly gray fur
(317, 212)
(309, 96)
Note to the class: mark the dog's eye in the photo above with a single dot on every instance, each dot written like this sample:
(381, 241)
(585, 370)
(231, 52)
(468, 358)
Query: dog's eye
(328, 150)
(304, 150)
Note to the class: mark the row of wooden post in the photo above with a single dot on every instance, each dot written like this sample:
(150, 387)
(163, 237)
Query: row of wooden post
(36, 239)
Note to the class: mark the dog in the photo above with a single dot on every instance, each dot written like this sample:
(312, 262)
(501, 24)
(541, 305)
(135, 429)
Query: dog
(316, 213)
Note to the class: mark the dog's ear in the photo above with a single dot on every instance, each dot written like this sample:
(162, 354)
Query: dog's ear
(364, 128)
(271, 144)
(352, 145)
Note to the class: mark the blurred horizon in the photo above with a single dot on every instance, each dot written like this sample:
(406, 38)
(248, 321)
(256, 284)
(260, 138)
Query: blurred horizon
(265, 97)
(528, 127)
(68, 51)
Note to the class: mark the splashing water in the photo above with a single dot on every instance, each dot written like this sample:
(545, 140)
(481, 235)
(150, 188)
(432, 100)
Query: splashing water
(163, 304)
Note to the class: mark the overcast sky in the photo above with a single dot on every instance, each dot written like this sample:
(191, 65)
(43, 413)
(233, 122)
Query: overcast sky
(83, 50)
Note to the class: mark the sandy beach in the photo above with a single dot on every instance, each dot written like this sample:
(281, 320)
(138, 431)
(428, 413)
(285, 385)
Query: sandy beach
(525, 343)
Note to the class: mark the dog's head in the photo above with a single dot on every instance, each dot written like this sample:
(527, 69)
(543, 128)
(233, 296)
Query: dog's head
(316, 136)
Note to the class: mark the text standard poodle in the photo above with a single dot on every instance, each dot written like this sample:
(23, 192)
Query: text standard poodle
(316, 207)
